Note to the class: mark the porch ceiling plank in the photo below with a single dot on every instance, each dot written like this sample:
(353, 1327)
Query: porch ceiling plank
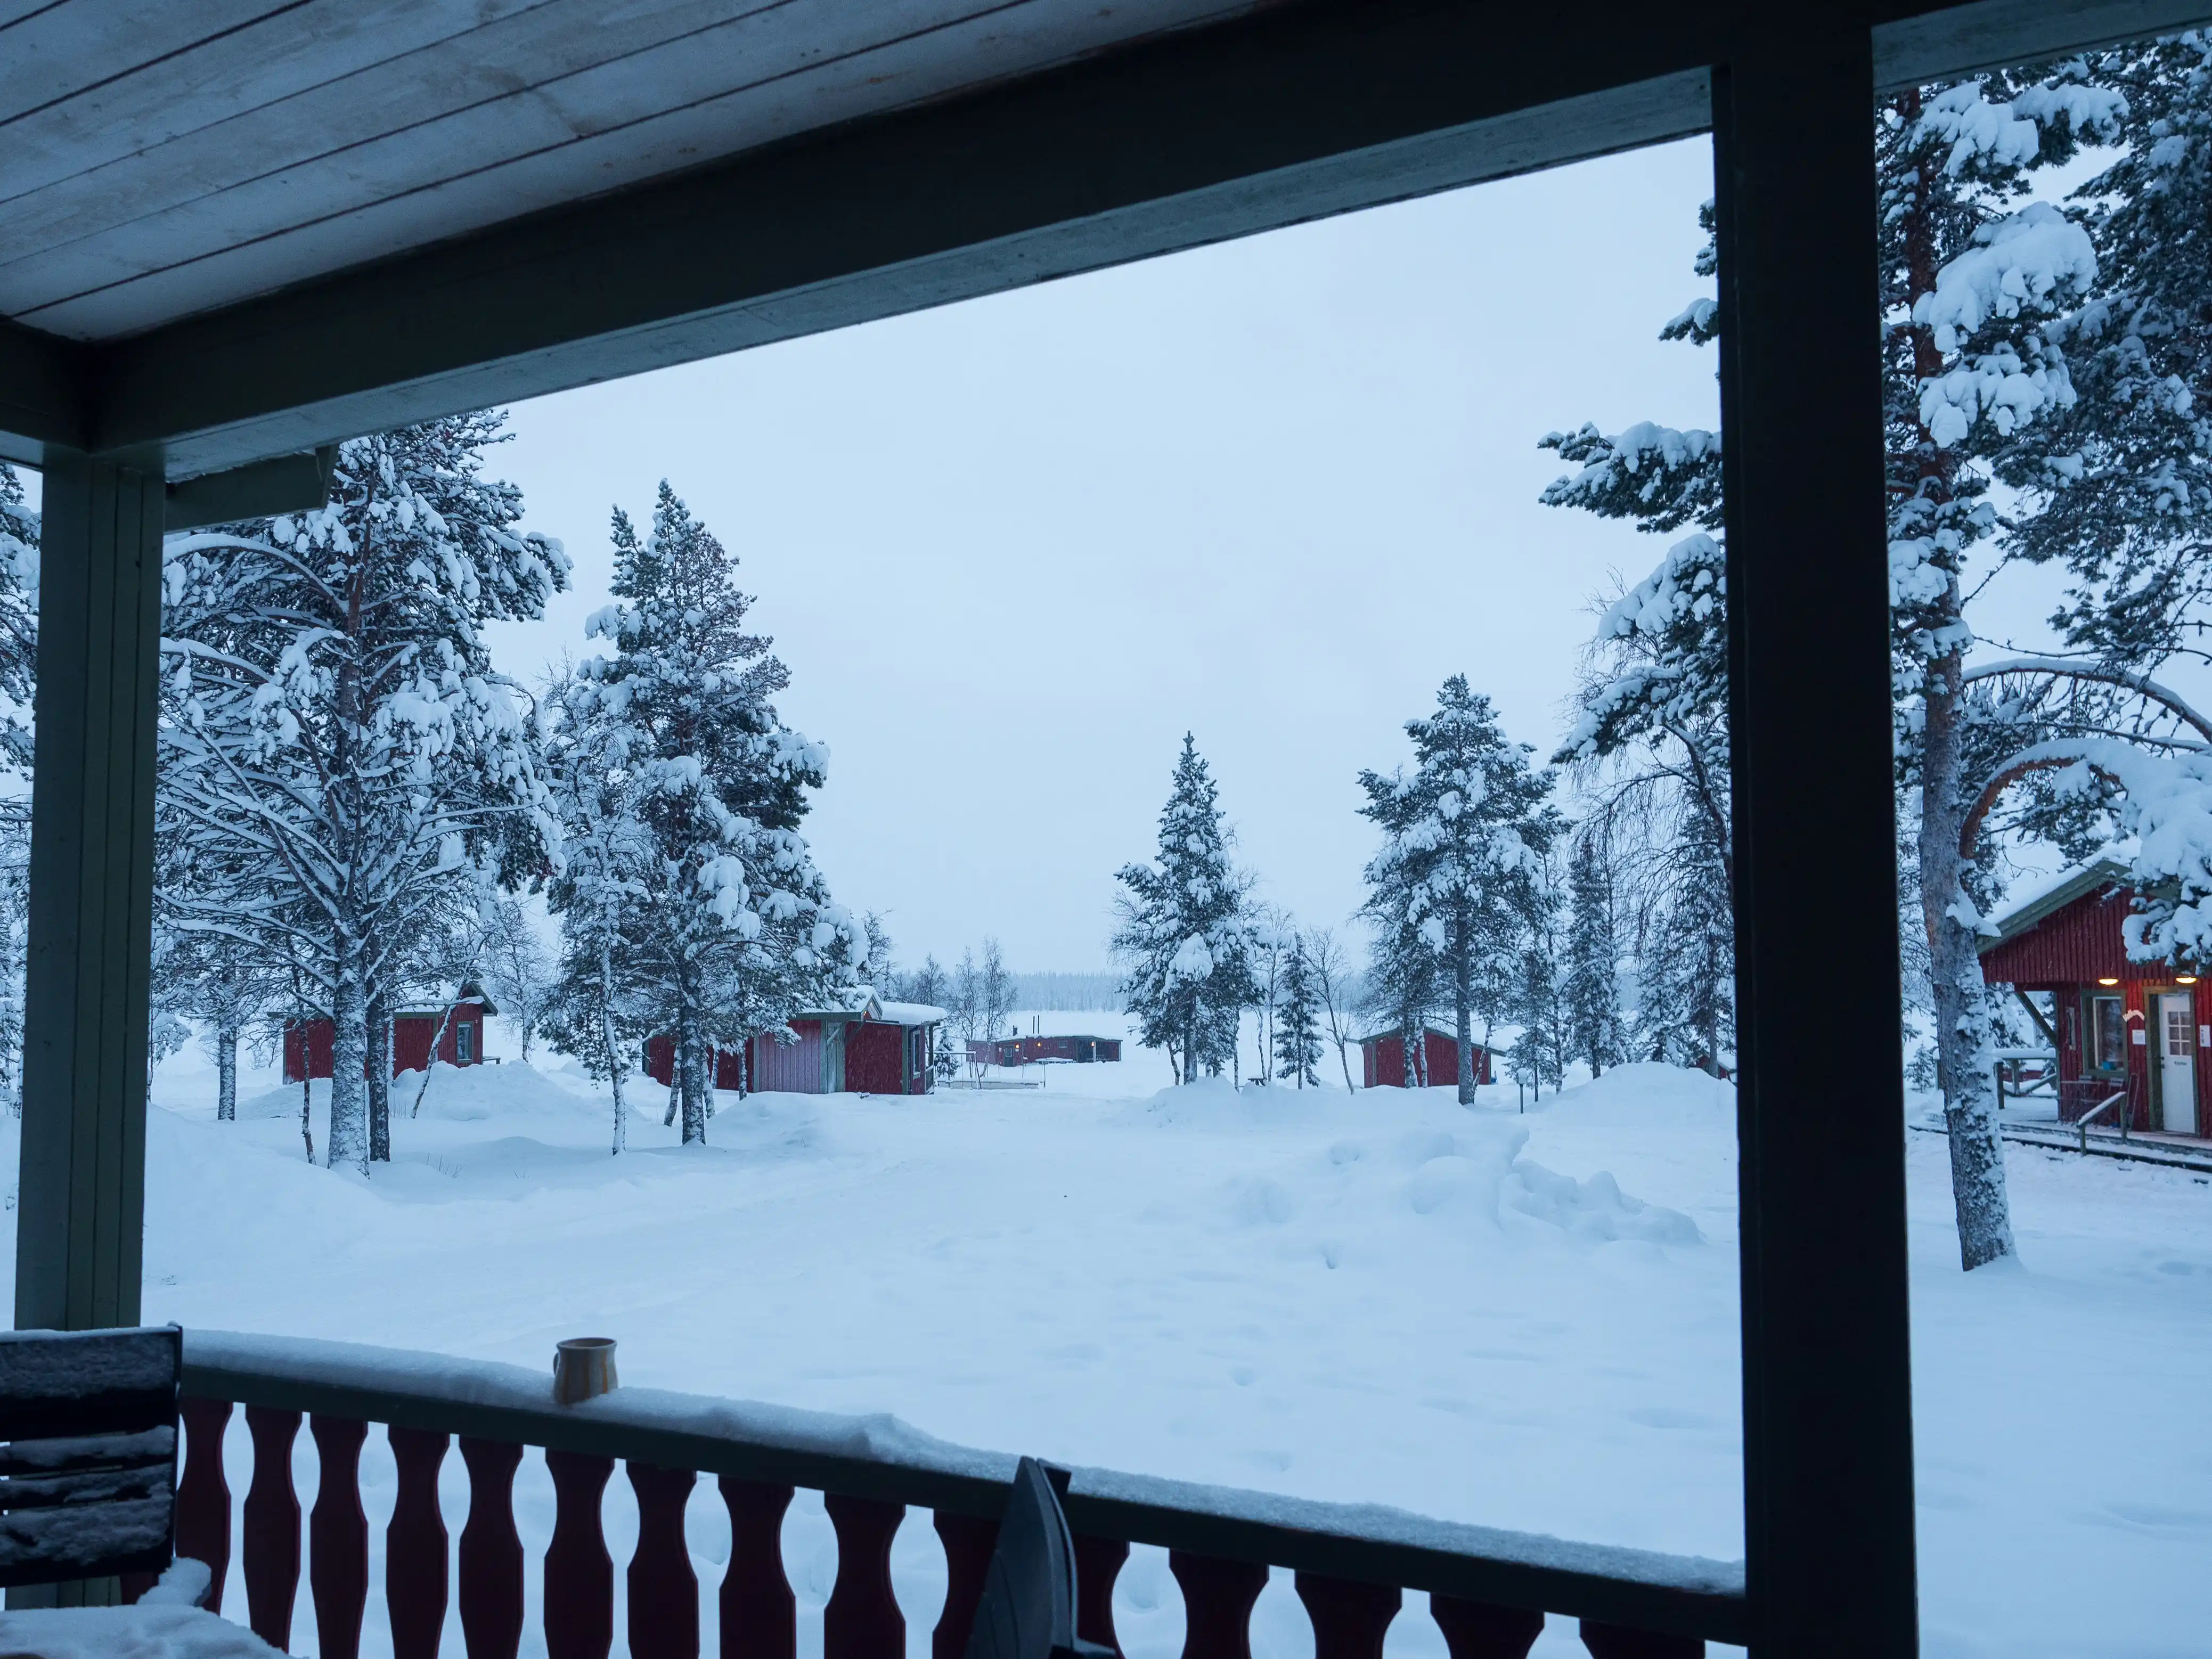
(537, 107)
(140, 123)
(668, 104)
(54, 52)
(1989, 34)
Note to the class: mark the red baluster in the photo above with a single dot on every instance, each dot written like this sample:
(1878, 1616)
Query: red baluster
(1477, 1630)
(1097, 1564)
(1217, 1598)
(415, 1546)
(203, 1494)
(968, 1540)
(1349, 1618)
(663, 1591)
(863, 1620)
(580, 1574)
(760, 1618)
(1620, 1642)
(337, 1537)
(491, 1552)
(271, 1532)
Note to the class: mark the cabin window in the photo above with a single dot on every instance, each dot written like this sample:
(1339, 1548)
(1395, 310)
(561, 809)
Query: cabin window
(464, 1043)
(2108, 1026)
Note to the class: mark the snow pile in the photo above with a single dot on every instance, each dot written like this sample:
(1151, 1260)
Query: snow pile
(1596, 1208)
(141, 1632)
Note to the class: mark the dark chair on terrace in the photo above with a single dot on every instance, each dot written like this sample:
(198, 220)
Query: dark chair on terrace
(88, 1470)
(1028, 1609)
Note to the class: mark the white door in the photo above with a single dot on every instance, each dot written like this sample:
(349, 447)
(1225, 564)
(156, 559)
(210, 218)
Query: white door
(2177, 1064)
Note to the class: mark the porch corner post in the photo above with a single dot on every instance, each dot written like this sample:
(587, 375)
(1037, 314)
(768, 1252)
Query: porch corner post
(81, 1209)
(1826, 1336)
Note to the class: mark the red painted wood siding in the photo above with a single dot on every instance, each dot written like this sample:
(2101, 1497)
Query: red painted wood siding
(875, 1059)
(1382, 1062)
(2074, 945)
(310, 1042)
(790, 1067)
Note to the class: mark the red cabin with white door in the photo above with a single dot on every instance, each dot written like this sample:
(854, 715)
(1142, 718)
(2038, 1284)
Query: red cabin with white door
(2139, 1030)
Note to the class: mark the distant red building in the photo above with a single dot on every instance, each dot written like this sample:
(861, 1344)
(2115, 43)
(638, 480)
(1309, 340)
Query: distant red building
(1043, 1050)
(874, 1048)
(308, 1042)
(1383, 1058)
(2138, 1029)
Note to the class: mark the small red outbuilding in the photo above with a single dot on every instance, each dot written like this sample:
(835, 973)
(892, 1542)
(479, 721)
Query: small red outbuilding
(308, 1042)
(1383, 1058)
(872, 1047)
(2140, 1030)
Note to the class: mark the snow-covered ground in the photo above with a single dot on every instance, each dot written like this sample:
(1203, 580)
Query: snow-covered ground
(1526, 1321)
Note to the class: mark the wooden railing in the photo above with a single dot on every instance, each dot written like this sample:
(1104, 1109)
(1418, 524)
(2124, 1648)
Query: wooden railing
(1488, 1590)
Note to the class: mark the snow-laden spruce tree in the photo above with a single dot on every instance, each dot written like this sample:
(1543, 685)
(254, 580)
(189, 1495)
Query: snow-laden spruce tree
(19, 663)
(1590, 957)
(1185, 931)
(1406, 980)
(692, 907)
(1462, 832)
(1298, 1045)
(342, 767)
(1976, 285)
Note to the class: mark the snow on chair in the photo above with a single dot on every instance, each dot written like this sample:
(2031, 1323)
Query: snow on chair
(88, 1473)
(1028, 1607)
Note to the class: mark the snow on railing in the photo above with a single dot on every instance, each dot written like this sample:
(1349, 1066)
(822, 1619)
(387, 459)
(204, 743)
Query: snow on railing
(1488, 1590)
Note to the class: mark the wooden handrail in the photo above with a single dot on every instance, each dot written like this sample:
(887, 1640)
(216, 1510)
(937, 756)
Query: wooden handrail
(883, 1460)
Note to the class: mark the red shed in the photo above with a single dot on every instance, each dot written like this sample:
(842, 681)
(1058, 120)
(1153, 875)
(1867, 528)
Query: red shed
(2137, 1029)
(1382, 1057)
(872, 1047)
(308, 1042)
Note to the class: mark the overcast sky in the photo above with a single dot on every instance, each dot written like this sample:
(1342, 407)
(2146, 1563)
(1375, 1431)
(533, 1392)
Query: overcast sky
(1272, 493)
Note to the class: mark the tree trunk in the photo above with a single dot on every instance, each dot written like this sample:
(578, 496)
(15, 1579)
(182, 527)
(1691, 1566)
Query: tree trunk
(1406, 1052)
(694, 1081)
(1190, 1044)
(1463, 1002)
(1964, 1065)
(225, 1071)
(348, 1132)
(308, 1106)
(379, 1078)
(615, 1066)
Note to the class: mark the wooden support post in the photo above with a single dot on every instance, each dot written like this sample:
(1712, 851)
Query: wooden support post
(1827, 1395)
(82, 1204)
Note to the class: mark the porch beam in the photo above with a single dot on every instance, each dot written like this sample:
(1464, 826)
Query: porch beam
(45, 382)
(1827, 1339)
(81, 1210)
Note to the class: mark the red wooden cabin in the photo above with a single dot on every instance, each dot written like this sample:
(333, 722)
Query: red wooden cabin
(1383, 1058)
(308, 1042)
(2140, 1029)
(874, 1048)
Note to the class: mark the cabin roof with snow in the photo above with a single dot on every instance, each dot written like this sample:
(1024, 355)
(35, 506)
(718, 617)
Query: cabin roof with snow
(2067, 929)
(862, 1003)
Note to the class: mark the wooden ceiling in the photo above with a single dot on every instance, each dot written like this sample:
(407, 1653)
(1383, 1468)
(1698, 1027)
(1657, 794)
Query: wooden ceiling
(159, 160)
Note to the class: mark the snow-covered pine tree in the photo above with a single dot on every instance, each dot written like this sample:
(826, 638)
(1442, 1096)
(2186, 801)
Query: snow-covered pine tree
(1460, 832)
(1297, 1021)
(1540, 1006)
(339, 759)
(1591, 965)
(1184, 935)
(1975, 289)
(724, 927)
